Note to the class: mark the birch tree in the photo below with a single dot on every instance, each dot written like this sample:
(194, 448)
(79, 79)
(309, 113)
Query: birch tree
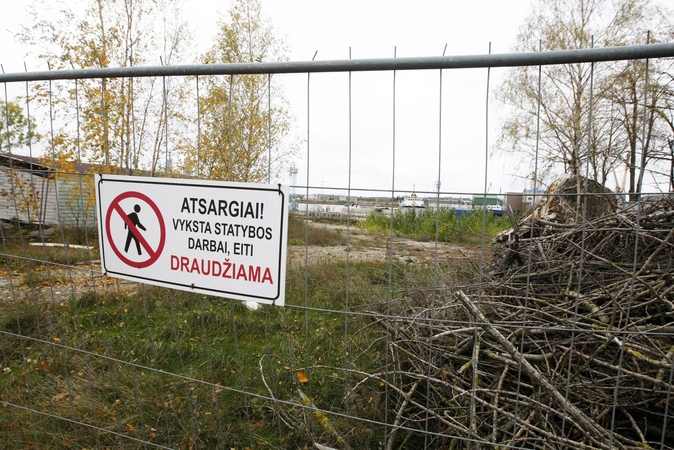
(122, 122)
(244, 119)
(588, 115)
(16, 131)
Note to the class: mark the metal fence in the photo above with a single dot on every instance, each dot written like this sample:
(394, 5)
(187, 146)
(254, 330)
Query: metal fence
(558, 334)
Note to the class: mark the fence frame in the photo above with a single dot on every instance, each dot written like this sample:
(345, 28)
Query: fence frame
(360, 65)
(664, 50)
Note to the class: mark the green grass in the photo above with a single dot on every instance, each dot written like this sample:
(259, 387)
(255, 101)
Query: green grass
(446, 224)
(301, 232)
(164, 332)
(172, 367)
(16, 251)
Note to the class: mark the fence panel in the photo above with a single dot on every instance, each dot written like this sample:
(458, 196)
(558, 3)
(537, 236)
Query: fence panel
(417, 316)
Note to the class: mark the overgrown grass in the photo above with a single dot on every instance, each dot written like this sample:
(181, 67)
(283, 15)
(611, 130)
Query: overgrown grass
(450, 227)
(188, 371)
(301, 232)
(108, 360)
(21, 251)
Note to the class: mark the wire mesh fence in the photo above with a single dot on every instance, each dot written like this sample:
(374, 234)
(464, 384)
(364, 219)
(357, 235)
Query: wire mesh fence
(415, 318)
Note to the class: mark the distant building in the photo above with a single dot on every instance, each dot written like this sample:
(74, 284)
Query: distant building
(27, 191)
(455, 203)
(523, 201)
(488, 199)
(515, 200)
(326, 197)
(491, 202)
(532, 197)
(31, 192)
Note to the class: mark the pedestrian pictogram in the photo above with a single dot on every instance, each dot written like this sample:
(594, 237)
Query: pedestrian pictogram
(135, 230)
(133, 217)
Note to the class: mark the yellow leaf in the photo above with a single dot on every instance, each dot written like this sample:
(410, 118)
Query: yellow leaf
(302, 377)
(59, 397)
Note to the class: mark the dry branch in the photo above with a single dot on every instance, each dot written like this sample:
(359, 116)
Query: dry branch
(587, 423)
(575, 326)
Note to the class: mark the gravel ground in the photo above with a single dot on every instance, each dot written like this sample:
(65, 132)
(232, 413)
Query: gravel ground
(365, 247)
(60, 283)
(57, 284)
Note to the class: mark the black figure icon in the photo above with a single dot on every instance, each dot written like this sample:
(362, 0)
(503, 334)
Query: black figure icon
(133, 217)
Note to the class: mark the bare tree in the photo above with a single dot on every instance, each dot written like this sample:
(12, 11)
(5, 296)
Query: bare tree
(589, 114)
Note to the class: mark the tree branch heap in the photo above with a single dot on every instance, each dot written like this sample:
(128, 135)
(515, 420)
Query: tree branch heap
(574, 326)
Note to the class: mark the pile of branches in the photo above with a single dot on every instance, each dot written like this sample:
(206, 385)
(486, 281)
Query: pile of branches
(567, 341)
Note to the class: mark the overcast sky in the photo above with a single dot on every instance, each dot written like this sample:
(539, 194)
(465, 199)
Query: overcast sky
(376, 29)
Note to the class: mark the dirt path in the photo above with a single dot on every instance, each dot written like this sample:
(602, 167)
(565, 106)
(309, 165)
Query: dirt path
(60, 283)
(364, 246)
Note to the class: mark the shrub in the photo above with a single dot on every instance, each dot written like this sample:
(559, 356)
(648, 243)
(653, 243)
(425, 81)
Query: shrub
(445, 224)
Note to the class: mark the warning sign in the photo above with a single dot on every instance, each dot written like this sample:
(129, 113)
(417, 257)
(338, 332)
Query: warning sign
(217, 238)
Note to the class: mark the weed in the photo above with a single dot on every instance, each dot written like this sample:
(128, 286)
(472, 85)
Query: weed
(445, 224)
(185, 370)
(148, 336)
(301, 232)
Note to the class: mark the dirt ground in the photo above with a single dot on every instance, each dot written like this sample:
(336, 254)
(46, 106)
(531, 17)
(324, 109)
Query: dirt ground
(363, 246)
(60, 283)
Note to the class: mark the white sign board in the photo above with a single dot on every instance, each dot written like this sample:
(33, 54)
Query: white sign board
(216, 238)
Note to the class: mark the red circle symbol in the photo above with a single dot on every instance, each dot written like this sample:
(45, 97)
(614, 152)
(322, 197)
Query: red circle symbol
(153, 254)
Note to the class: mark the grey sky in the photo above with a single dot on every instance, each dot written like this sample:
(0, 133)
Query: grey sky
(375, 29)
